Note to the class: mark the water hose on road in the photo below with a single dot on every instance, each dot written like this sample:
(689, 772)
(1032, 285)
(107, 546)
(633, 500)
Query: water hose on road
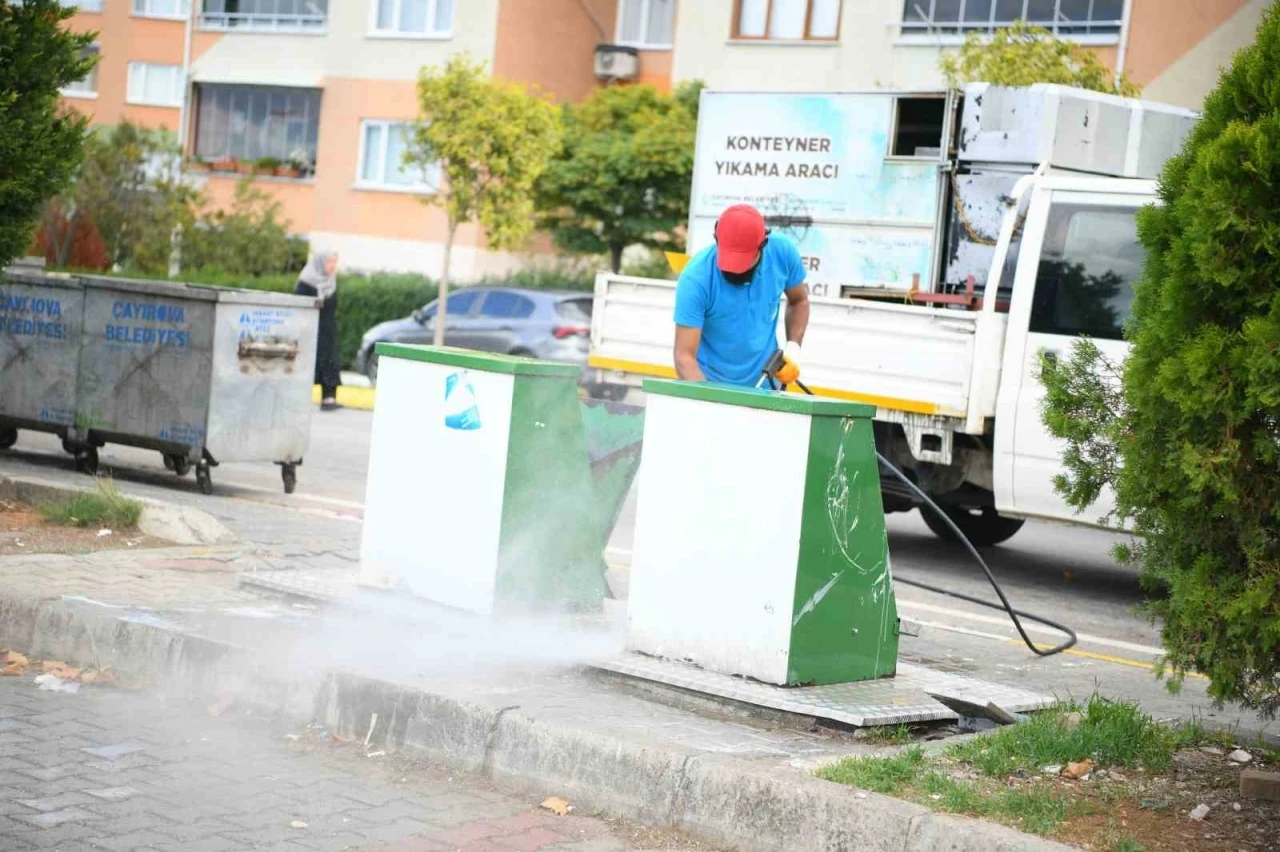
(1015, 615)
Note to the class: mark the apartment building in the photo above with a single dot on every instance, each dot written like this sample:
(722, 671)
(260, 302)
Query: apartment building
(1172, 48)
(320, 92)
(324, 87)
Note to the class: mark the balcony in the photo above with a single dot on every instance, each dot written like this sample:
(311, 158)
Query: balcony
(266, 131)
(265, 16)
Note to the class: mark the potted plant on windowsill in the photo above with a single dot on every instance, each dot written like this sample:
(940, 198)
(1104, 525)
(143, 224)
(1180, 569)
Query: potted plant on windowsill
(268, 166)
(223, 164)
(246, 167)
(195, 164)
(300, 163)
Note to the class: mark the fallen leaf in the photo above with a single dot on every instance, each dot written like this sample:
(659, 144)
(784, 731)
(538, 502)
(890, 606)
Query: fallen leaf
(89, 677)
(12, 670)
(50, 666)
(220, 706)
(557, 805)
(1078, 770)
(13, 658)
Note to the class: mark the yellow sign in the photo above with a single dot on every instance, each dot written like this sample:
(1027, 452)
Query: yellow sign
(677, 261)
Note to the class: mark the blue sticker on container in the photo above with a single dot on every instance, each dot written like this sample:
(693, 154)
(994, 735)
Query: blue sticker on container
(460, 409)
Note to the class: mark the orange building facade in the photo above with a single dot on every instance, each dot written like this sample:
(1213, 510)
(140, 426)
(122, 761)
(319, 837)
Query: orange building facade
(320, 90)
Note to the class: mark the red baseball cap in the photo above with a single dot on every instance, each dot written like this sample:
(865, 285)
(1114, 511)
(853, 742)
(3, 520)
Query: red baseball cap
(739, 237)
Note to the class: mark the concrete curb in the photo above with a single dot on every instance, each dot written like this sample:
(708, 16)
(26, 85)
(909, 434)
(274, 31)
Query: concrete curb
(182, 525)
(731, 801)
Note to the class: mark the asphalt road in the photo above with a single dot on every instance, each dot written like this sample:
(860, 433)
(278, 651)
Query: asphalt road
(1063, 572)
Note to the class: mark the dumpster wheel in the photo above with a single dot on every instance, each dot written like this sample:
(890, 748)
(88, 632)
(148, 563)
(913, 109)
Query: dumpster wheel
(87, 460)
(178, 463)
(204, 478)
(8, 437)
(289, 473)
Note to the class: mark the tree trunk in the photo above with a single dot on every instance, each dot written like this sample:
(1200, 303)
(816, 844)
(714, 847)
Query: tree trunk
(615, 257)
(437, 339)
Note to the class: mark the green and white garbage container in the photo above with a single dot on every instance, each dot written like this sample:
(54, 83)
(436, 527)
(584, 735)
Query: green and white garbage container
(482, 493)
(760, 546)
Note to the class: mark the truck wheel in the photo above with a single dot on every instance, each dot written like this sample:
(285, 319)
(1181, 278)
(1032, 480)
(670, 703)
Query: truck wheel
(983, 527)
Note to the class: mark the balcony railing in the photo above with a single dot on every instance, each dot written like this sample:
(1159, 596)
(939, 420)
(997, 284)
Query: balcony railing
(263, 22)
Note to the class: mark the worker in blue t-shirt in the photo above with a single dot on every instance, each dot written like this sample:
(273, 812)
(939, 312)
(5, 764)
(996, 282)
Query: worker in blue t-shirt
(727, 303)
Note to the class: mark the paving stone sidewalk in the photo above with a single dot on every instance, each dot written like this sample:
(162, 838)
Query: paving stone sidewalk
(105, 769)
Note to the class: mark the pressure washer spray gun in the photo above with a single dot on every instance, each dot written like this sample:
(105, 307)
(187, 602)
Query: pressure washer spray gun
(778, 372)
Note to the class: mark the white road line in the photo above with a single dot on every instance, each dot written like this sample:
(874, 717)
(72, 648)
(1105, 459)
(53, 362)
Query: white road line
(920, 606)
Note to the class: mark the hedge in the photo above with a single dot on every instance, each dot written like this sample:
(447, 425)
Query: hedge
(366, 300)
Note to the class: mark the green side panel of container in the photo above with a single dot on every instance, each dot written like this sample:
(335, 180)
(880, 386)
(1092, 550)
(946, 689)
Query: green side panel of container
(845, 620)
(550, 556)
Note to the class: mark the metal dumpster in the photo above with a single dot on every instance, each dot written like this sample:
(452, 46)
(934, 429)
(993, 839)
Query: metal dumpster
(201, 374)
(40, 318)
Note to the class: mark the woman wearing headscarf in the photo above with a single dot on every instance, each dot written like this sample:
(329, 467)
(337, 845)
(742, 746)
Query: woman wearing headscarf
(320, 278)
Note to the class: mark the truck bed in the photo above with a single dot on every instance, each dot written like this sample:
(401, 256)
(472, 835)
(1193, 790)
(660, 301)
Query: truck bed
(902, 358)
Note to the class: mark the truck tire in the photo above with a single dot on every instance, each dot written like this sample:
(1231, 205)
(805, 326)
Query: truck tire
(984, 527)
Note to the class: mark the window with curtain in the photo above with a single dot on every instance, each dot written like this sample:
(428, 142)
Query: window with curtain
(85, 5)
(646, 23)
(88, 87)
(1062, 17)
(382, 166)
(162, 8)
(787, 20)
(155, 85)
(424, 18)
(250, 123)
(264, 15)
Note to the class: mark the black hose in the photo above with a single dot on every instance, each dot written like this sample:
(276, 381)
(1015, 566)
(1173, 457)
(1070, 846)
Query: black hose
(973, 551)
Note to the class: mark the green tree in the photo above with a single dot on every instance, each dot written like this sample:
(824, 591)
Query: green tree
(1021, 55)
(130, 188)
(40, 143)
(624, 173)
(1191, 441)
(248, 238)
(491, 141)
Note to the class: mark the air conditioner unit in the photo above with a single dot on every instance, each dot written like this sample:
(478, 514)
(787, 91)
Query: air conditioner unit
(617, 62)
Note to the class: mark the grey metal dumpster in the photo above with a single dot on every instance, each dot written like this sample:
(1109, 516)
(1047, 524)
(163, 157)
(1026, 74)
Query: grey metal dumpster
(201, 374)
(40, 317)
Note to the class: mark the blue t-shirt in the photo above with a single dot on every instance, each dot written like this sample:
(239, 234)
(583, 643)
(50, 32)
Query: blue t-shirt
(738, 321)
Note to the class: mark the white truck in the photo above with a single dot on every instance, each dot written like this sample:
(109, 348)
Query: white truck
(944, 257)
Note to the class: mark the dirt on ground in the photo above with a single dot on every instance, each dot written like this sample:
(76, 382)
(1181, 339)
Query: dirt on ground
(1131, 810)
(1156, 810)
(23, 531)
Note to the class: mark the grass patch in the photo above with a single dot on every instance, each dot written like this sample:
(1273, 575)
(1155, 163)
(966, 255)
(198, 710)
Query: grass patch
(1112, 733)
(1010, 786)
(888, 775)
(889, 735)
(104, 506)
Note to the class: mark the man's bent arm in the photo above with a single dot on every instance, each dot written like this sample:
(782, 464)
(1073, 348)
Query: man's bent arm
(797, 313)
(686, 353)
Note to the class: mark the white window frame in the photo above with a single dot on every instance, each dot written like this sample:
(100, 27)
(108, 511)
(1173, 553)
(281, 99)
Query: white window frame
(919, 33)
(381, 184)
(86, 94)
(136, 99)
(80, 5)
(644, 27)
(429, 35)
(145, 11)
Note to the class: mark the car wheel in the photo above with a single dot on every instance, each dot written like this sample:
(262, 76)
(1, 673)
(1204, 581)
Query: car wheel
(983, 527)
(371, 370)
